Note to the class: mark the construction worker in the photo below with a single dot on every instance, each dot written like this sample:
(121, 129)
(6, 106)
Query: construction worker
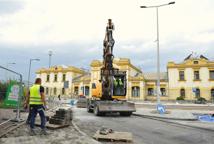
(120, 83)
(115, 83)
(36, 100)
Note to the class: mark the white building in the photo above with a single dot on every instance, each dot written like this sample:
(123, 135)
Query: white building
(57, 80)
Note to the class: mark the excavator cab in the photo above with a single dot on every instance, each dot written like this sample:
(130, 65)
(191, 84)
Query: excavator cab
(119, 84)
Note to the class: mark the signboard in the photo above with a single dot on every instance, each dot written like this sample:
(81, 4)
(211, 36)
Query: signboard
(194, 90)
(12, 95)
(161, 109)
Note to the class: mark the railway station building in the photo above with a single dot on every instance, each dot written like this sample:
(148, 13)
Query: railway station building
(192, 78)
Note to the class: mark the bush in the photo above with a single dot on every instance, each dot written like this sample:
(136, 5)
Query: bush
(201, 100)
(3, 90)
(180, 98)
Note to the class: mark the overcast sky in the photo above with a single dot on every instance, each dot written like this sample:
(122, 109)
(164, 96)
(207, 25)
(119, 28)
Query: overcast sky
(74, 31)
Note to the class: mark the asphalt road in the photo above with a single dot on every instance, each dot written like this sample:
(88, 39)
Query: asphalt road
(145, 131)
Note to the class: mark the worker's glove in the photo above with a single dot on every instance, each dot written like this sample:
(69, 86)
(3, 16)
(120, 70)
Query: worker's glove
(25, 105)
(45, 107)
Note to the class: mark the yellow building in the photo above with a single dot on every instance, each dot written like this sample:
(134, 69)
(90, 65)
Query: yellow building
(135, 79)
(82, 85)
(57, 80)
(194, 77)
(150, 86)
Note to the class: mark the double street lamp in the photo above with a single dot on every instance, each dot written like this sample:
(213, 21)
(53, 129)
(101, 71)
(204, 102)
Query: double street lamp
(30, 69)
(158, 55)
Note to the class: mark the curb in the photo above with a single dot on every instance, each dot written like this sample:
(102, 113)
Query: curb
(84, 134)
(148, 116)
(177, 123)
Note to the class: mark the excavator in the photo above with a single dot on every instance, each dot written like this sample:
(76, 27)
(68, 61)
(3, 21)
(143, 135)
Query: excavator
(109, 94)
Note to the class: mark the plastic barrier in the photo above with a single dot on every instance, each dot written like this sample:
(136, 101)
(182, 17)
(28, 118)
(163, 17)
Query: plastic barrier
(206, 118)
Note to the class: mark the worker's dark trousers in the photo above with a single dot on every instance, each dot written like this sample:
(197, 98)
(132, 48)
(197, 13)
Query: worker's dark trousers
(29, 116)
(34, 109)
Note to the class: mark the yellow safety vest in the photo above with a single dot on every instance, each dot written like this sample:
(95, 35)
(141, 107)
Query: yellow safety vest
(35, 96)
(120, 82)
(115, 82)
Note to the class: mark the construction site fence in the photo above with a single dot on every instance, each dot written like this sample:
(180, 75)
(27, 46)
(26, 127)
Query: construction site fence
(11, 90)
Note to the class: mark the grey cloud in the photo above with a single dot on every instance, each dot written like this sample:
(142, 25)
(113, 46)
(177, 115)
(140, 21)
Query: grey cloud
(81, 54)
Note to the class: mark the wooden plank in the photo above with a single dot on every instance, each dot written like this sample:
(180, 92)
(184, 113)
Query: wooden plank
(115, 136)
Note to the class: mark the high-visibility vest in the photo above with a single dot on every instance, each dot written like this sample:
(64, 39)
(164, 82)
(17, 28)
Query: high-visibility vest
(115, 82)
(35, 96)
(120, 82)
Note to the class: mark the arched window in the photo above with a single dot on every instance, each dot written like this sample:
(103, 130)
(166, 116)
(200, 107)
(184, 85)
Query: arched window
(135, 91)
(212, 93)
(47, 91)
(86, 90)
(76, 90)
(63, 91)
(150, 91)
(197, 92)
(182, 92)
(55, 91)
(163, 91)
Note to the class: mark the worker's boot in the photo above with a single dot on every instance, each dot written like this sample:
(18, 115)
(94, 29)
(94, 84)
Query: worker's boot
(32, 132)
(43, 132)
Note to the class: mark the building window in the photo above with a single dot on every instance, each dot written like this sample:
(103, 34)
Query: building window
(150, 91)
(212, 94)
(212, 74)
(48, 78)
(196, 75)
(135, 91)
(195, 62)
(93, 86)
(55, 78)
(163, 91)
(82, 90)
(63, 77)
(63, 91)
(47, 91)
(76, 90)
(182, 92)
(181, 75)
(55, 91)
(86, 90)
(197, 92)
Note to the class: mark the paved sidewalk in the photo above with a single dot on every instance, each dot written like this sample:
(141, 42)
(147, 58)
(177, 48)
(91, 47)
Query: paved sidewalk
(171, 114)
(67, 135)
(183, 117)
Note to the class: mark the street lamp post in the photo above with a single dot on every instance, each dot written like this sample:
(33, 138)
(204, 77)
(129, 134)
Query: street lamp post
(30, 69)
(50, 53)
(158, 52)
(7, 66)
